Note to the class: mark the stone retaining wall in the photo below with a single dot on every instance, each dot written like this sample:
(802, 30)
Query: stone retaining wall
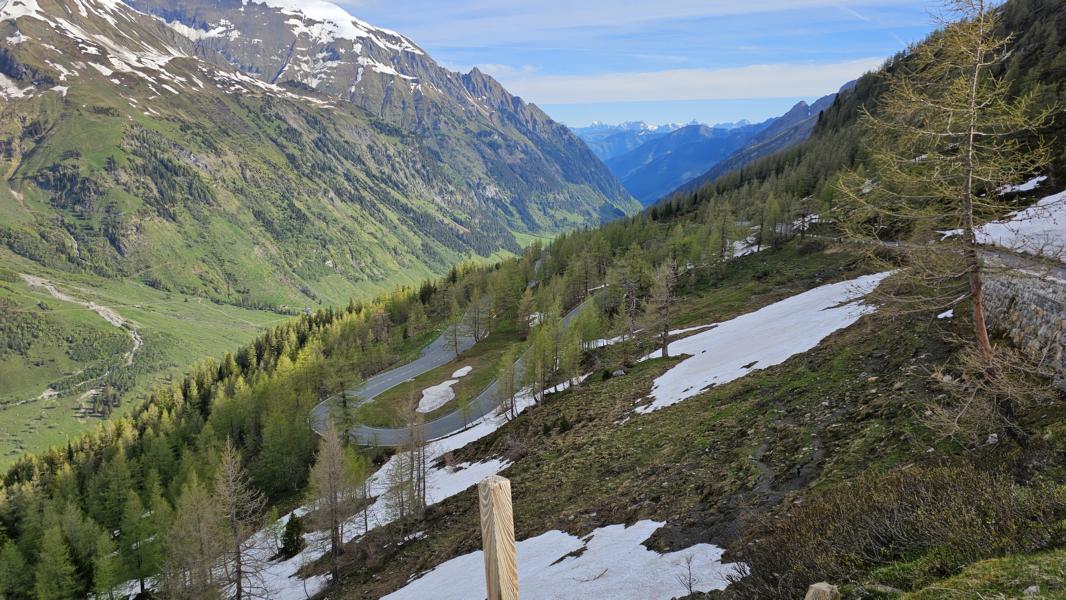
(1031, 311)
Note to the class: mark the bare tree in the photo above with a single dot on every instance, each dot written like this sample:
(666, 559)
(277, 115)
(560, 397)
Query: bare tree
(335, 490)
(659, 308)
(943, 141)
(688, 578)
(193, 546)
(242, 508)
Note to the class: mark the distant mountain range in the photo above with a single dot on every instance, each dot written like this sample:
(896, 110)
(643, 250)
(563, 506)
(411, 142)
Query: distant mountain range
(658, 166)
(609, 141)
(654, 161)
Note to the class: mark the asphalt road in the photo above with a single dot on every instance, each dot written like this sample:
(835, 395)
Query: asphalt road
(439, 352)
(485, 402)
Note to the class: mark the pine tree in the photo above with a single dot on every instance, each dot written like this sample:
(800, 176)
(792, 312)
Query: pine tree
(292, 541)
(54, 578)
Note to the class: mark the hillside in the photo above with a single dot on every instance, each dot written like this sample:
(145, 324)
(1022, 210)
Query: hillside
(143, 169)
(786, 131)
(720, 397)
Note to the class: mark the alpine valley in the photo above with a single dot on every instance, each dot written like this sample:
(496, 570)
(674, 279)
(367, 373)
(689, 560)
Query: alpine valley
(206, 168)
(288, 311)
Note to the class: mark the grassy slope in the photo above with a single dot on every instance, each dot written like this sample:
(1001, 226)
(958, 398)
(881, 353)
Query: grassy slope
(75, 345)
(851, 405)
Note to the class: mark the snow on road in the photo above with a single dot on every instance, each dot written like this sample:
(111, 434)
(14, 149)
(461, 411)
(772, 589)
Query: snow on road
(761, 339)
(611, 562)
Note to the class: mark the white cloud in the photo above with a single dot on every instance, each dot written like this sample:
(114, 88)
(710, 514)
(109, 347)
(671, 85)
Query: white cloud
(471, 23)
(754, 81)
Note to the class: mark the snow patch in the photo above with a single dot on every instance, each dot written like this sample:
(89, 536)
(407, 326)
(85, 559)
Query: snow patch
(437, 396)
(766, 337)
(947, 314)
(462, 372)
(1028, 186)
(1039, 230)
(611, 562)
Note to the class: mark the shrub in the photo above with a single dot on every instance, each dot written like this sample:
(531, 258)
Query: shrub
(941, 518)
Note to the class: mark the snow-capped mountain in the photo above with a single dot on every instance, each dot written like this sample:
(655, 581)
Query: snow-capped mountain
(608, 141)
(286, 129)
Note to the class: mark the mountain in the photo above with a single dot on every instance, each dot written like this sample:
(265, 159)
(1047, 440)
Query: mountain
(782, 133)
(609, 141)
(790, 438)
(661, 165)
(172, 183)
(268, 153)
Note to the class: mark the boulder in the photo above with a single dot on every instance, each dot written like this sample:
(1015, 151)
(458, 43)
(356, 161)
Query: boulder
(822, 591)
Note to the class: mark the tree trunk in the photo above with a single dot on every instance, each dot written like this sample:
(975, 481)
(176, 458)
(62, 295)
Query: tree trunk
(1004, 406)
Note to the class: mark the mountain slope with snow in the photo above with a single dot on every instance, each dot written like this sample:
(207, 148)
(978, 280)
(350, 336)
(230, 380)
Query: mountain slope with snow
(337, 151)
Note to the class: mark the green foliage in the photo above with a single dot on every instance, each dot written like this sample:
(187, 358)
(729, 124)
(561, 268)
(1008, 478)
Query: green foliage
(292, 541)
(937, 519)
(16, 578)
(55, 572)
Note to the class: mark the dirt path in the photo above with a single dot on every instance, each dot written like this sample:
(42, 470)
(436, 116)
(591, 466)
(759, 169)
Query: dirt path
(108, 314)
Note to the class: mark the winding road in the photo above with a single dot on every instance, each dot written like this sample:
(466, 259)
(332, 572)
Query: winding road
(437, 353)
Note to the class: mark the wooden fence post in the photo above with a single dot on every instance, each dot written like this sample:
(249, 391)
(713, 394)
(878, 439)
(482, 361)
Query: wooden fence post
(497, 535)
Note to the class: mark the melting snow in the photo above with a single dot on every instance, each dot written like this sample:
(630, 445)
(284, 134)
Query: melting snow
(761, 339)
(1039, 230)
(947, 314)
(437, 396)
(611, 562)
(463, 372)
(1028, 186)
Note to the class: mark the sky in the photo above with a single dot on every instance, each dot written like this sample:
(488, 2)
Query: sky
(659, 61)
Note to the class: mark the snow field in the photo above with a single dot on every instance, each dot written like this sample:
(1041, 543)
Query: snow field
(611, 562)
(760, 339)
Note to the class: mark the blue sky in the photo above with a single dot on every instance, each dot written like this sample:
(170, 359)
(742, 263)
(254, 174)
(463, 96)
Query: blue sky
(659, 61)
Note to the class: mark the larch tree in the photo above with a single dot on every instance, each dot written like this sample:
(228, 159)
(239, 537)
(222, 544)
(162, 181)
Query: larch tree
(16, 578)
(660, 305)
(105, 567)
(242, 510)
(55, 572)
(195, 545)
(943, 142)
(139, 541)
(334, 490)
(508, 379)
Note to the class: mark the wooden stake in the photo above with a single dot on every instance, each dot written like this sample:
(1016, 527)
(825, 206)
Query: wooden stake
(497, 535)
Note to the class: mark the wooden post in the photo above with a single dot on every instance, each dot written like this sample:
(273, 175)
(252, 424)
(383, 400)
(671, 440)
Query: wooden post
(497, 535)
